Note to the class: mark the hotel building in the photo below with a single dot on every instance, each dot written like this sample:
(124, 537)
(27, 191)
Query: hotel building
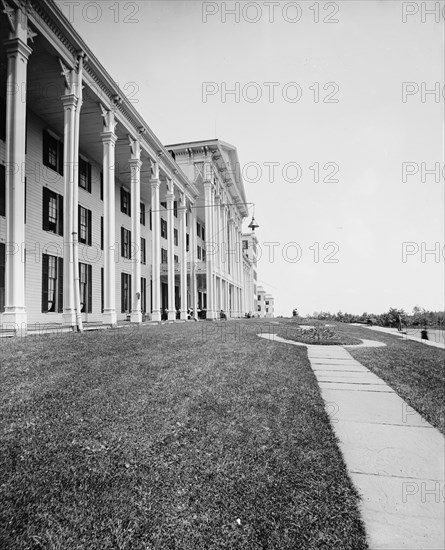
(99, 222)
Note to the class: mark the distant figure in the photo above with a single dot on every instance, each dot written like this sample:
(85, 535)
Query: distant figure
(222, 315)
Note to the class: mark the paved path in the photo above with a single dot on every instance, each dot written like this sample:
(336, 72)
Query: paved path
(395, 458)
(436, 336)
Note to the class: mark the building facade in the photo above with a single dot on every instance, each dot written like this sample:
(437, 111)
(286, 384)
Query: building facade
(99, 222)
(265, 302)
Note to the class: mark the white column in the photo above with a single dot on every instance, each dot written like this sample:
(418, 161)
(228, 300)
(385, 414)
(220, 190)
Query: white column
(170, 197)
(183, 256)
(155, 243)
(135, 167)
(109, 139)
(208, 200)
(192, 255)
(69, 309)
(17, 52)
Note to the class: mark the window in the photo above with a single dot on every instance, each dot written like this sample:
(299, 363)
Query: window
(84, 225)
(52, 284)
(164, 205)
(267, 302)
(143, 294)
(175, 232)
(175, 209)
(203, 255)
(85, 287)
(52, 216)
(245, 245)
(198, 229)
(176, 260)
(187, 242)
(101, 233)
(125, 202)
(203, 233)
(52, 152)
(85, 175)
(150, 220)
(125, 243)
(101, 186)
(163, 228)
(142, 213)
(259, 297)
(125, 292)
(2, 190)
(199, 253)
(163, 256)
(143, 251)
(2, 276)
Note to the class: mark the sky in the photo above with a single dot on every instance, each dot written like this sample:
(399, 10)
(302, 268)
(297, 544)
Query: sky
(337, 134)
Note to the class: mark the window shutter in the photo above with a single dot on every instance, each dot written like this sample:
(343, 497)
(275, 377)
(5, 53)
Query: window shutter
(60, 284)
(122, 243)
(129, 204)
(78, 222)
(89, 226)
(45, 206)
(60, 157)
(101, 190)
(90, 287)
(89, 178)
(45, 283)
(122, 292)
(130, 295)
(2, 190)
(101, 233)
(45, 148)
(26, 192)
(122, 200)
(59, 215)
(102, 289)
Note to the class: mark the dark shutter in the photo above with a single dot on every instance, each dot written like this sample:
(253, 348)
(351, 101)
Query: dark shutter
(59, 215)
(89, 222)
(3, 118)
(79, 217)
(45, 206)
(130, 294)
(122, 292)
(60, 284)
(122, 200)
(45, 261)
(89, 178)
(60, 157)
(101, 186)
(122, 243)
(45, 148)
(2, 276)
(90, 287)
(101, 233)
(102, 289)
(26, 192)
(2, 190)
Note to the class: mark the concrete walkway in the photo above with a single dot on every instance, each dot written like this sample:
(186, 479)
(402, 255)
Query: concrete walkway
(394, 457)
(436, 336)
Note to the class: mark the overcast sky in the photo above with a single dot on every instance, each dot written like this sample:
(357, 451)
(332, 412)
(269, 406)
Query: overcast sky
(335, 112)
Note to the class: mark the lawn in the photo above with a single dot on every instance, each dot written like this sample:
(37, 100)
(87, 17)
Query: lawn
(414, 370)
(184, 436)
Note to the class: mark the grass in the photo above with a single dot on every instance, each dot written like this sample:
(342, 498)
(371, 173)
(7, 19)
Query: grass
(193, 436)
(414, 370)
(318, 335)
